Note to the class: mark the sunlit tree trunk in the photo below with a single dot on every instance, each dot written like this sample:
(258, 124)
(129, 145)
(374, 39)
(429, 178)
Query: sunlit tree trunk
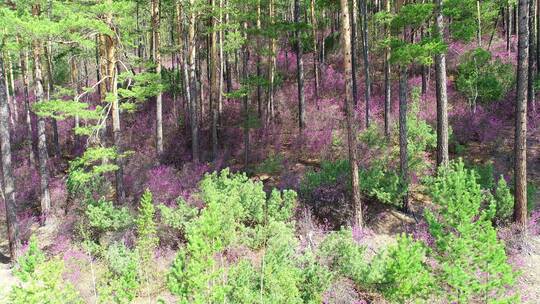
(479, 24)
(26, 94)
(15, 108)
(365, 47)
(214, 83)
(112, 87)
(245, 102)
(271, 66)
(351, 127)
(50, 82)
(315, 47)
(157, 60)
(531, 98)
(8, 94)
(299, 70)
(520, 140)
(442, 97)
(193, 79)
(387, 79)
(42, 138)
(403, 154)
(7, 172)
(354, 50)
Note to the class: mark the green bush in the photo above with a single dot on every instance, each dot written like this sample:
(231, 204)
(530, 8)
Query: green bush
(238, 214)
(147, 240)
(41, 280)
(120, 283)
(482, 79)
(400, 272)
(273, 164)
(236, 209)
(344, 256)
(472, 260)
(504, 202)
(103, 216)
(178, 217)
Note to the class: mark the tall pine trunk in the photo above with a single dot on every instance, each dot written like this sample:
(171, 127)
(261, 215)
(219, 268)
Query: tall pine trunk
(442, 97)
(387, 79)
(299, 69)
(7, 172)
(112, 73)
(520, 140)
(214, 83)
(531, 98)
(403, 153)
(365, 48)
(43, 156)
(26, 96)
(193, 106)
(157, 60)
(349, 112)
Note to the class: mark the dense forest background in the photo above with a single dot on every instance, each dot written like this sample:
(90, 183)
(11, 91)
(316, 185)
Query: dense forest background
(270, 151)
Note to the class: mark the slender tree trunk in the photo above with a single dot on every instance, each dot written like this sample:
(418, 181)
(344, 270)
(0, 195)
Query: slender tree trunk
(245, 110)
(354, 50)
(193, 75)
(299, 70)
(271, 67)
(42, 138)
(258, 64)
(77, 87)
(351, 127)
(157, 60)
(479, 24)
(531, 98)
(8, 94)
(214, 83)
(315, 48)
(110, 48)
(403, 154)
(520, 141)
(387, 80)
(509, 27)
(537, 16)
(26, 93)
(365, 47)
(15, 109)
(7, 173)
(442, 97)
(50, 81)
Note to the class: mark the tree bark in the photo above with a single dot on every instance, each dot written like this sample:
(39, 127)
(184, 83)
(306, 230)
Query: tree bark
(315, 48)
(214, 82)
(442, 96)
(349, 111)
(157, 61)
(387, 78)
(50, 82)
(271, 67)
(193, 77)
(531, 98)
(354, 50)
(112, 73)
(26, 94)
(42, 138)
(403, 153)
(299, 70)
(245, 101)
(365, 47)
(7, 173)
(520, 140)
